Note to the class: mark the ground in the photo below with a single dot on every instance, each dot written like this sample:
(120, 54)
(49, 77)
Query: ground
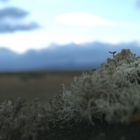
(30, 85)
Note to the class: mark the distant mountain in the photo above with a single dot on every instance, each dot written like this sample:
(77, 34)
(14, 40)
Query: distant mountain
(62, 57)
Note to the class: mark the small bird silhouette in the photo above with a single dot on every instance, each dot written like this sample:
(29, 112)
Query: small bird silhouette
(113, 53)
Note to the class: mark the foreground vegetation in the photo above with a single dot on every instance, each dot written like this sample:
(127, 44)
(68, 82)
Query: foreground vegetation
(102, 104)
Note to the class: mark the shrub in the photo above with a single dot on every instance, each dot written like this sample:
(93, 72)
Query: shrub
(21, 120)
(111, 93)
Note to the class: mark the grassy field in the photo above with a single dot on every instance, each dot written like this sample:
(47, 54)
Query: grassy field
(30, 85)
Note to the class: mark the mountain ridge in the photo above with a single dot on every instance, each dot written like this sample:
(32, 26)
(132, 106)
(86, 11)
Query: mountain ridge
(62, 57)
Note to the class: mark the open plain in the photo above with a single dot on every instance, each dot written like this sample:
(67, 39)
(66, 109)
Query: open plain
(31, 85)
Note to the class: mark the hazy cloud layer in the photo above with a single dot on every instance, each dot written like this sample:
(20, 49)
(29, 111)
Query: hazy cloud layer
(9, 28)
(82, 19)
(12, 12)
(4, 0)
(12, 20)
(138, 3)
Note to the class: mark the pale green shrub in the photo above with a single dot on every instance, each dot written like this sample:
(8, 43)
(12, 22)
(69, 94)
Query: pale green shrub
(21, 120)
(111, 93)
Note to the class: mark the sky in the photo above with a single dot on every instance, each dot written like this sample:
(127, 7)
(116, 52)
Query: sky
(36, 24)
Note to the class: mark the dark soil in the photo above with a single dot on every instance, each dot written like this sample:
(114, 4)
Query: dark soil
(101, 131)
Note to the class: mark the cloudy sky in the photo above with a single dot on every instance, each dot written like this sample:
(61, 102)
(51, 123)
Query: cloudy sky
(27, 24)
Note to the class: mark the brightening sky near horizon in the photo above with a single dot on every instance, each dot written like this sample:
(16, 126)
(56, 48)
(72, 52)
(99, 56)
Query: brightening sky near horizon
(36, 24)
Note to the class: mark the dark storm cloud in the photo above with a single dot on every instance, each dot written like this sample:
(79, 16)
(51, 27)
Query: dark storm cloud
(9, 28)
(12, 12)
(11, 15)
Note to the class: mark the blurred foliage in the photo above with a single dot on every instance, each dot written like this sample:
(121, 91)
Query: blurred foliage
(110, 94)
